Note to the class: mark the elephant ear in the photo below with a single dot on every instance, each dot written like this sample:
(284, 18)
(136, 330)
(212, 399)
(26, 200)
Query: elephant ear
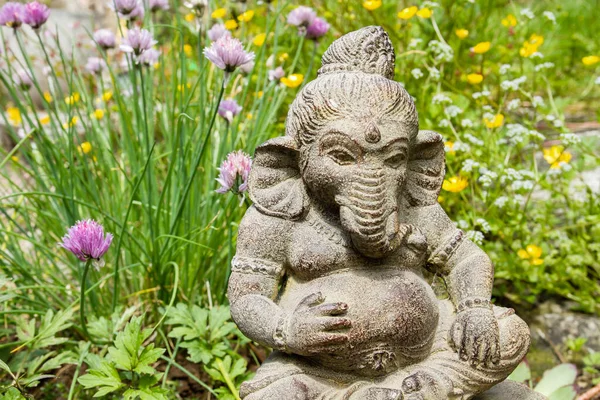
(275, 184)
(425, 173)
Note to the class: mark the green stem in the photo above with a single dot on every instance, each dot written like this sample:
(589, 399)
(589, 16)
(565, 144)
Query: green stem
(228, 381)
(82, 300)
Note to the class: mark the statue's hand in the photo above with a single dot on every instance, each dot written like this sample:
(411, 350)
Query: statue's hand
(314, 326)
(475, 336)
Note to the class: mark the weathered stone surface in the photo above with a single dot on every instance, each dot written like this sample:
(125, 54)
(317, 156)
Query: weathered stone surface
(330, 257)
(509, 390)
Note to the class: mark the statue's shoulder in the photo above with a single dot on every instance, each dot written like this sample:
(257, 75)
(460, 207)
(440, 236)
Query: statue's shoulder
(262, 233)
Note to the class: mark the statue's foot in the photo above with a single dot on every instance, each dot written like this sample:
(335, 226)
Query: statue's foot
(424, 386)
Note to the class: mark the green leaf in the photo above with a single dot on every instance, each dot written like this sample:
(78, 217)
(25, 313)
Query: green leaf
(154, 393)
(33, 381)
(521, 374)
(556, 378)
(102, 375)
(6, 368)
(12, 394)
(564, 393)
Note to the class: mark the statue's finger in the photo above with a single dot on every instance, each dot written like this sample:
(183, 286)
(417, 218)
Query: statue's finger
(331, 309)
(495, 353)
(311, 300)
(332, 323)
(326, 339)
(466, 349)
(456, 336)
(483, 353)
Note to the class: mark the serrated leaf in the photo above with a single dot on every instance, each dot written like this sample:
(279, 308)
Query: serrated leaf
(223, 393)
(149, 356)
(198, 351)
(50, 326)
(102, 375)
(555, 378)
(12, 394)
(66, 357)
(154, 393)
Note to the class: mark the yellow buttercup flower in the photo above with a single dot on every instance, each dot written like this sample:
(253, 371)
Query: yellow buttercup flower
(15, 159)
(461, 33)
(455, 184)
(107, 96)
(71, 123)
(449, 147)
(532, 253)
(231, 24)
(371, 4)
(509, 21)
(249, 116)
(482, 47)
(247, 16)
(48, 97)
(72, 99)
(408, 12)
(495, 122)
(284, 57)
(293, 80)
(556, 155)
(531, 46)
(474, 79)
(259, 39)
(219, 13)
(189, 17)
(45, 120)
(98, 113)
(85, 147)
(590, 60)
(14, 116)
(425, 12)
(188, 50)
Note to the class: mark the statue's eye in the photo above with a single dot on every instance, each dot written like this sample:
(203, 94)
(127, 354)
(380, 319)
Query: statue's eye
(341, 156)
(396, 160)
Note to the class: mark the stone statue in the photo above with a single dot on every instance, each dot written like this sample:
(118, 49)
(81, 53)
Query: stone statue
(330, 261)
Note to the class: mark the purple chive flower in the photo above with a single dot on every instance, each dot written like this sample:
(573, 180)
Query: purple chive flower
(317, 29)
(156, 5)
(12, 14)
(276, 74)
(301, 16)
(105, 39)
(123, 7)
(247, 68)
(138, 41)
(217, 32)
(136, 14)
(229, 109)
(233, 174)
(95, 65)
(149, 57)
(36, 14)
(87, 241)
(23, 79)
(228, 53)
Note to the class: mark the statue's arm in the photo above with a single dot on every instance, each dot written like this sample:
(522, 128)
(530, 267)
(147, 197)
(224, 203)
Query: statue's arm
(467, 269)
(257, 272)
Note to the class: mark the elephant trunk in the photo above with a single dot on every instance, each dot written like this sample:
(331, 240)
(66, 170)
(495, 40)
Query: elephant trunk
(369, 213)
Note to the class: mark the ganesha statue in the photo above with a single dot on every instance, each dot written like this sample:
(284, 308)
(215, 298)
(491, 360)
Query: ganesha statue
(335, 256)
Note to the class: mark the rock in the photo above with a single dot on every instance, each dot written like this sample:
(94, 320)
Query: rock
(509, 390)
(559, 325)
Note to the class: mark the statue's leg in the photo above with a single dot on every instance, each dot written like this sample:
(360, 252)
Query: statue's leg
(443, 375)
(297, 387)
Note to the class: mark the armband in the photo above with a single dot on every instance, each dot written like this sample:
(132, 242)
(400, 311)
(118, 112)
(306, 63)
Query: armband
(255, 266)
(438, 260)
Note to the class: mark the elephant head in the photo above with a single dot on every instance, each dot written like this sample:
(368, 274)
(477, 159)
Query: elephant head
(352, 145)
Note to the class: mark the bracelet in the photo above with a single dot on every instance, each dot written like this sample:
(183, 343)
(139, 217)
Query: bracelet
(474, 302)
(279, 337)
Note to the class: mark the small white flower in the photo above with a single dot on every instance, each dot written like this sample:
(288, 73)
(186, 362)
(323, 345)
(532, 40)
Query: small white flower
(441, 51)
(597, 81)
(462, 224)
(441, 98)
(513, 104)
(484, 225)
(445, 123)
(550, 16)
(501, 201)
(417, 73)
(434, 73)
(546, 65)
(469, 165)
(461, 146)
(504, 68)
(488, 113)
(514, 84)
(558, 123)
(538, 101)
(550, 117)
(526, 12)
(453, 111)
(414, 43)
(570, 139)
(473, 140)
(522, 184)
(476, 237)
(466, 123)
(537, 54)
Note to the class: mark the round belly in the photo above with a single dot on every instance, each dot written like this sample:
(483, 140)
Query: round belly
(394, 317)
